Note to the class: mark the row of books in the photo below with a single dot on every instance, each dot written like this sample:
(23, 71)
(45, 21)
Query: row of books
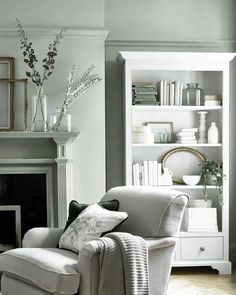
(144, 93)
(170, 93)
(147, 173)
(161, 93)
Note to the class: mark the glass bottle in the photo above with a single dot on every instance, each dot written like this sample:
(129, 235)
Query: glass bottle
(192, 95)
(39, 111)
(61, 120)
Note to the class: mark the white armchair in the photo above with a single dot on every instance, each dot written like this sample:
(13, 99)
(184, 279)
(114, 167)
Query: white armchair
(40, 268)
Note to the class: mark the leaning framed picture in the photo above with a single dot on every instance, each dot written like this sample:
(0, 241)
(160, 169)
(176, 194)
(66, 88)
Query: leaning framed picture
(6, 93)
(162, 131)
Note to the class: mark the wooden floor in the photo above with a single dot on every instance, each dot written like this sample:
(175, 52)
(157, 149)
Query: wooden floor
(201, 281)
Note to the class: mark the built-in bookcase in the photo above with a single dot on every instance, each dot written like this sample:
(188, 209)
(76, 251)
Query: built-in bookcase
(211, 71)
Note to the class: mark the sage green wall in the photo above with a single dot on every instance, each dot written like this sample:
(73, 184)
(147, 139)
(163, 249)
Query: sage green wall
(169, 19)
(160, 25)
(81, 48)
(53, 13)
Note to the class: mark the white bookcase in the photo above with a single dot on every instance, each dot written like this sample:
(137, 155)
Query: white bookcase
(211, 71)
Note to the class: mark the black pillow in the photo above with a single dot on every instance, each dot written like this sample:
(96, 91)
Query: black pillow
(76, 208)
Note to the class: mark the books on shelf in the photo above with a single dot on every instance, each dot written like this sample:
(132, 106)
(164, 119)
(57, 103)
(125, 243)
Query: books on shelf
(147, 173)
(142, 135)
(186, 136)
(144, 93)
(170, 93)
(200, 220)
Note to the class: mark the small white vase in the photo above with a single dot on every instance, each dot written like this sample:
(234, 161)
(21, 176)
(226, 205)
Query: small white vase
(213, 134)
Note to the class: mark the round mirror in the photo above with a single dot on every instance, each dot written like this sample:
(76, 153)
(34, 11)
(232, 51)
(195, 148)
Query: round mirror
(183, 161)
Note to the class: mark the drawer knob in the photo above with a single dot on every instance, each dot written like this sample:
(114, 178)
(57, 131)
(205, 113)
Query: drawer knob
(202, 249)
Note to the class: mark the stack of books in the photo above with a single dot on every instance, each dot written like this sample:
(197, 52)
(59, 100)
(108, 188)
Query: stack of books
(187, 136)
(142, 135)
(147, 173)
(170, 92)
(144, 94)
(212, 100)
(200, 220)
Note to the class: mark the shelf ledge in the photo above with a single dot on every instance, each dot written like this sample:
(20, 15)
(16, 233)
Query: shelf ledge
(66, 136)
(175, 108)
(176, 145)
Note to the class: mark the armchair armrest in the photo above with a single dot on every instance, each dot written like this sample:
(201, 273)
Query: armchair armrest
(88, 267)
(159, 243)
(89, 255)
(42, 237)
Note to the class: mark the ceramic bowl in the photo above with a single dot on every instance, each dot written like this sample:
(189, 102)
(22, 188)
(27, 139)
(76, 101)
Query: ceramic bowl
(191, 179)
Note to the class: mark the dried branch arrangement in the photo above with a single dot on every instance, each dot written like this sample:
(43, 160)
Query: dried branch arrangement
(87, 80)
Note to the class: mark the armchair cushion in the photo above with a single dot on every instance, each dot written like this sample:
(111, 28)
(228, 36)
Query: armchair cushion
(51, 269)
(90, 225)
(76, 208)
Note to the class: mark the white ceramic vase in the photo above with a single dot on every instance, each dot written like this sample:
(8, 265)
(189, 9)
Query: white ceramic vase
(213, 134)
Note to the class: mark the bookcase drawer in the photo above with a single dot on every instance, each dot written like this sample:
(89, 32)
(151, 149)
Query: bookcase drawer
(201, 248)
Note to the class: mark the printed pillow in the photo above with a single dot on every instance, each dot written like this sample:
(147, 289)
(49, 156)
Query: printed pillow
(89, 225)
(76, 208)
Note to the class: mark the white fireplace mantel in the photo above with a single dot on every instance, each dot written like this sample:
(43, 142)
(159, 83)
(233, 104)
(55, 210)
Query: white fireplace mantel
(63, 160)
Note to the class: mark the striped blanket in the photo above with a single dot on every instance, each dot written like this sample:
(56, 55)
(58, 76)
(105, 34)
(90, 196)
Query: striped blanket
(123, 265)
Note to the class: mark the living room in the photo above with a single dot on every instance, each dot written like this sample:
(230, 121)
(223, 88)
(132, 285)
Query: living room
(126, 42)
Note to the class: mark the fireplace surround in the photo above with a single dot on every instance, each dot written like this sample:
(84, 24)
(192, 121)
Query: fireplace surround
(43, 153)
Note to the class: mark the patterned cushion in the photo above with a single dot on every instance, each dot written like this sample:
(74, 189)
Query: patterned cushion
(89, 225)
(76, 208)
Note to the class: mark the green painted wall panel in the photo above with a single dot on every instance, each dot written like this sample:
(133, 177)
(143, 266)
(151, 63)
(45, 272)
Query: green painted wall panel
(53, 13)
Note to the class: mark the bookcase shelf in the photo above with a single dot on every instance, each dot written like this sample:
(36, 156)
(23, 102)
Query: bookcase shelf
(176, 145)
(175, 108)
(211, 71)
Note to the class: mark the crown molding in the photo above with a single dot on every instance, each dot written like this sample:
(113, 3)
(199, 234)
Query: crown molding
(70, 32)
(222, 45)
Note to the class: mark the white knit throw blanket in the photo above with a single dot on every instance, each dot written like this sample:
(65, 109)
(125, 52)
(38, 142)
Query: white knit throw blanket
(123, 265)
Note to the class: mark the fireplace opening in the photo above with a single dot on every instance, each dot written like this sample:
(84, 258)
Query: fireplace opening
(29, 191)
(10, 227)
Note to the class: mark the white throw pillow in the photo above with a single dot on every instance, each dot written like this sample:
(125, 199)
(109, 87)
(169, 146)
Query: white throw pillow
(89, 225)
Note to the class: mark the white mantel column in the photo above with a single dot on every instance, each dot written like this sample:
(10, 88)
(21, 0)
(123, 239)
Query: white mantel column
(64, 177)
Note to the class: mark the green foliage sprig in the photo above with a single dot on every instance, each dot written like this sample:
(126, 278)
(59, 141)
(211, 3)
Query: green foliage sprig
(30, 57)
(214, 170)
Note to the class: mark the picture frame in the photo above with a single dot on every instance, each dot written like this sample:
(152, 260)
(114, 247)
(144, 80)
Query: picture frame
(162, 131)
(6, 93)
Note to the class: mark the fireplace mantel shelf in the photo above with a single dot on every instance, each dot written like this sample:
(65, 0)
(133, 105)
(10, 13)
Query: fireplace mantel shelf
(67, 136)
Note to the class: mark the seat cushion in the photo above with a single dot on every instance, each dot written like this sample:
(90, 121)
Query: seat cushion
(53, 270)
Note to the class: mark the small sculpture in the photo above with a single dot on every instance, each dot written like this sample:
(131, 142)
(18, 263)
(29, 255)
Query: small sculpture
(202, 127)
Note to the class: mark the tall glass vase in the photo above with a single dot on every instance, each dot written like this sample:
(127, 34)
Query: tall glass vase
(39, 111)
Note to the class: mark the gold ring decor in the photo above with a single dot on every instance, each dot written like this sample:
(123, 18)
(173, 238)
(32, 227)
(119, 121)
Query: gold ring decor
(181, 149)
